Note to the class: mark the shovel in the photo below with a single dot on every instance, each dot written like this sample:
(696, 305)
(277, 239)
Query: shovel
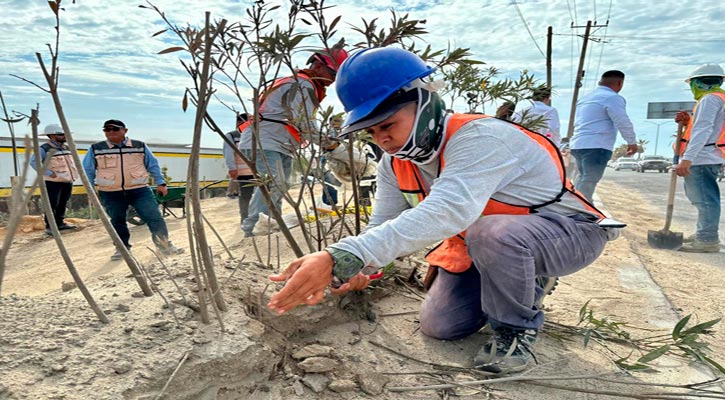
(666, 239)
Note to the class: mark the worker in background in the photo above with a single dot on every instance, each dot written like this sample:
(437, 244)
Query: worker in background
(541, 108)
(286, 110)
(59, 176)
(439, 171)
(120, 168)
(241, 178)
(599, 115)
(701, 155)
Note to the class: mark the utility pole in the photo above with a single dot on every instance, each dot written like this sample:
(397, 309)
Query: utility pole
(549, 35)
(580, 74)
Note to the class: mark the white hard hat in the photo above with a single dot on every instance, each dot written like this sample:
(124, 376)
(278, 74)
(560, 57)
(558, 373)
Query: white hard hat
(53, 129)
(706, 70)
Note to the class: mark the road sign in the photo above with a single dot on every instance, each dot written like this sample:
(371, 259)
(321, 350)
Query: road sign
(667, 109)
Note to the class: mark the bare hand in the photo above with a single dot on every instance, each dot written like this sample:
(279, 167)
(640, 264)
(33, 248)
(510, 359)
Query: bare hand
(682, 117)
(307, 278)
(683, 168)
(631, 149)
(162, 190)
(357, 282)
(233, 173)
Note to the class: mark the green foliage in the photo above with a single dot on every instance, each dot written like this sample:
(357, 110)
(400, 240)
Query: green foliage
(681, 342)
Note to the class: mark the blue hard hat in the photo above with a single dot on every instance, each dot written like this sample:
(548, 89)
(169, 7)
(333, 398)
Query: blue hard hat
(370, 76)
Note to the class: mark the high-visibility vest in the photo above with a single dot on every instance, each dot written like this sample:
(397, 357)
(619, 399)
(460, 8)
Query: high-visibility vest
(120, 168)
(242, 167)
(61, 164)
(452, 254)
(719, 143)
(293, 131)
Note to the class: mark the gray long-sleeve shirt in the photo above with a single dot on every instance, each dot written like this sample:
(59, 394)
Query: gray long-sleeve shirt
(292, 101)
(706, 127)
(486, 158)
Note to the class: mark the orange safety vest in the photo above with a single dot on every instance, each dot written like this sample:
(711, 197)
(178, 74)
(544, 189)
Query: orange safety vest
(293, 131)
(452, 254)
(719, 143)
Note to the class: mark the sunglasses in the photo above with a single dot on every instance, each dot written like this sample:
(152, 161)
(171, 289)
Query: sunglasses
(111, 128)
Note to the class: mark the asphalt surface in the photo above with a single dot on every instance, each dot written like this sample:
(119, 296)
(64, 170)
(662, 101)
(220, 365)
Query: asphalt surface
(654, 186)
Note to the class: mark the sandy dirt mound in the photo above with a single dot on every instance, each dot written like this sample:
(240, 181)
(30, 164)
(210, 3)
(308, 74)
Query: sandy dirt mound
(358, 346)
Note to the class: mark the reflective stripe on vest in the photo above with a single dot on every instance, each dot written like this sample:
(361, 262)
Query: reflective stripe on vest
(719, 143)
(120, 168)
(293, 131)
(452, 254)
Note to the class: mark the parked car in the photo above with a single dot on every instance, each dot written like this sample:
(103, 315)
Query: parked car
(656, 163)
(625, 163)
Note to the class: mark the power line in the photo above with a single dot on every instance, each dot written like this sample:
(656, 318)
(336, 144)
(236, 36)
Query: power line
(601, 49)
(516, 5)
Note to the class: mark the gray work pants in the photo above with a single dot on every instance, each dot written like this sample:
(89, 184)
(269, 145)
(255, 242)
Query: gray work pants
(508, 252)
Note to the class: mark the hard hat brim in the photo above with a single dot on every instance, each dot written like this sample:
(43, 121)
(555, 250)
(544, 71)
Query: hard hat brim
(373, 120)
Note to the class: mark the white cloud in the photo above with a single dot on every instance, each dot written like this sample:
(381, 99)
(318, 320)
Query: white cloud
(109, 62)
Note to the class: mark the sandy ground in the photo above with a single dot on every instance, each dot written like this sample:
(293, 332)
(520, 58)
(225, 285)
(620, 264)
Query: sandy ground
(360, 346)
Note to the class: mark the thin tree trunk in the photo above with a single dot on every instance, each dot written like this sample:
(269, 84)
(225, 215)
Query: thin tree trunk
(54, 227)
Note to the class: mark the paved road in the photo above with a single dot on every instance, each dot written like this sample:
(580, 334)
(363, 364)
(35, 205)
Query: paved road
(654, 186)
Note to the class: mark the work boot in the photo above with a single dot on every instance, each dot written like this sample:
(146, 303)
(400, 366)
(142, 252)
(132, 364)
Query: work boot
(48, 232)
(169, 249)
(548, 285)
(65, 226)
(117, 255)
(506, 351)
(701, 247)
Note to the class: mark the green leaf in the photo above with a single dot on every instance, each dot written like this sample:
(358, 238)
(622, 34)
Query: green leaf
(622, 363)
(170, 50)
(654, 354)
(583, 310)
(678, 328)
(700, 328)
(715, 364)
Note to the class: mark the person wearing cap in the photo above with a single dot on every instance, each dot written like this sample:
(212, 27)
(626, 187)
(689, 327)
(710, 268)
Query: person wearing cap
(120, 168)
(241, 176)
(59, 176)
(494, 193)
(541, 108)
(286, 112)
(599, 115)
(701, 155)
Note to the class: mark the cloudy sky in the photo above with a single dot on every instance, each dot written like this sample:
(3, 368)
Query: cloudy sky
(110, 67)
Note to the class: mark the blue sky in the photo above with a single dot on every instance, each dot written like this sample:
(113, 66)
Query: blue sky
(110, 67)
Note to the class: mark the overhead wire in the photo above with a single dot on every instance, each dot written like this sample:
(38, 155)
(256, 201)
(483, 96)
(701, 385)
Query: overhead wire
(590, 48)
(603, 42)
(571, 46)
(526, 25)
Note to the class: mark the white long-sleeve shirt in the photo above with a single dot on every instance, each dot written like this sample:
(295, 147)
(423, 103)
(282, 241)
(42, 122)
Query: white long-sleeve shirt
(485, 158)
(551, 124)
(599, 115)
(707, 124)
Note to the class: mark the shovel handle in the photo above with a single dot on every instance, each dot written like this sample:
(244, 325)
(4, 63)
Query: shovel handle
(673, 177)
